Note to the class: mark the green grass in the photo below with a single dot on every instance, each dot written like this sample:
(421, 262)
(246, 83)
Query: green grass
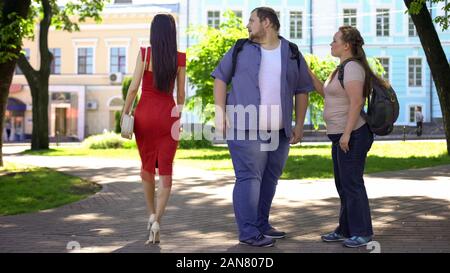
(304, 162)
(82, 151)
(315, 161)
(26, 189)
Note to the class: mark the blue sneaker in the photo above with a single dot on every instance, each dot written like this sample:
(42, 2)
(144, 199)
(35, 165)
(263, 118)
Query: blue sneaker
(259, 241)
(274, 234)
(357, 241)
(332, 237)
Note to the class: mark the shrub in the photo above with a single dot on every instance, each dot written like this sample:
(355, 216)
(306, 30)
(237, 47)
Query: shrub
(188, 141)
(104, 141)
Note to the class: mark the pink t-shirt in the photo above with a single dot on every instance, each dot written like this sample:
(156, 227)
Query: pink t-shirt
(337, 102)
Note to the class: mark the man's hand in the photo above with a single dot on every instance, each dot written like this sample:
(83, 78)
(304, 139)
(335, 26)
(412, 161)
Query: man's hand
(297, 135)
(221, 123)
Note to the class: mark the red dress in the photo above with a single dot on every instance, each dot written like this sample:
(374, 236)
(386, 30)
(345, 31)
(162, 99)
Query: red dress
(156, 131)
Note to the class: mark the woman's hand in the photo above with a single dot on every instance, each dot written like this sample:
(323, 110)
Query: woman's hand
(343, 143)
(297, 135)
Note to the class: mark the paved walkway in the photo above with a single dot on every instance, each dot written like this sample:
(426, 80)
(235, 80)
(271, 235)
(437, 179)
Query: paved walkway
(411, 212)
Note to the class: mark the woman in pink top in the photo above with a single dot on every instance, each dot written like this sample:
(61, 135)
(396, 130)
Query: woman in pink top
(350, 135)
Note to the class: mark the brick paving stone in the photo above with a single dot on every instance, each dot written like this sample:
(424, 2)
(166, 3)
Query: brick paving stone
(410, 211)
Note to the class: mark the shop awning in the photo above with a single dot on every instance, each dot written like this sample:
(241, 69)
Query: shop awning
(15, 105)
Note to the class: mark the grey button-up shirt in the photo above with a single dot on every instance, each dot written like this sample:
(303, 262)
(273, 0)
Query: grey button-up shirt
(245, 82)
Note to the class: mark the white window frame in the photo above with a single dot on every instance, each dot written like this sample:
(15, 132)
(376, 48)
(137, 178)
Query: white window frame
(359, 14)
(119, 42)
(285, 28)
(208, 10)
(302, 27)
(392, 22)
(344, 17)
(390, 66)
(238, 10)
(60, 57)
(424, 112)
(422, 71)
(93, 61)
(407, 28)
(83, 43)
(376, 14)
(411, 91)
(126, 59)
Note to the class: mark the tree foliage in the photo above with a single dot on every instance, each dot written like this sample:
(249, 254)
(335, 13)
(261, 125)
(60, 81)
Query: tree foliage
(212, 46)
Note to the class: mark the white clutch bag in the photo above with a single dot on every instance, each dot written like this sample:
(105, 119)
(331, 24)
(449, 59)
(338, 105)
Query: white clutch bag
(127, 127)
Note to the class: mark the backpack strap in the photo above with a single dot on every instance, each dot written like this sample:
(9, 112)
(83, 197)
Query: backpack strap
(341, 69)
(295, 53)
(240, 44)
(237, 48)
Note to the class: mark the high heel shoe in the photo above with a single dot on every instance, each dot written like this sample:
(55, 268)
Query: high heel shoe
(151, 220)
(154, 234)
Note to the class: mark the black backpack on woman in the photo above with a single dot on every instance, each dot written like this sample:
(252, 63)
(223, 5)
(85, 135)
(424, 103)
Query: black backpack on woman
(382, 105)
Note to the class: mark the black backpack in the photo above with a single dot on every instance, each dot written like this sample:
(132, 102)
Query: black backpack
(382, 105)
(240, 44)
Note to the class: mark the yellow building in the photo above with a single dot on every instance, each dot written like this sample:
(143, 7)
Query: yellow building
(86, 81)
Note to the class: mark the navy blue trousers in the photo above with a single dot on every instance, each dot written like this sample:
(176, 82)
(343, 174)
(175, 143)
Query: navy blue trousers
(257, 172)
(354, 216)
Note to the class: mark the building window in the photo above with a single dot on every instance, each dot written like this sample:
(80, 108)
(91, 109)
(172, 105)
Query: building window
(350, 17)
(385, 63)
(118, 59)
(296, 24)
(55, 67)
(214, 19)
(238, 13)
(412, 112)
(382, 22)
(27, 55)
(415, 72)
(85, 60)
(412, 32)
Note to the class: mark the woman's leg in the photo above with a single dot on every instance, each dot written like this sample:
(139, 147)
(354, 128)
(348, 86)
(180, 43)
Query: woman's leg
(164, 188)
(149, 192)
(352, 171)
(343, 228)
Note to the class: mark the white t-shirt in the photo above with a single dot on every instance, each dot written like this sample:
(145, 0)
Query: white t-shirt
(270, 112)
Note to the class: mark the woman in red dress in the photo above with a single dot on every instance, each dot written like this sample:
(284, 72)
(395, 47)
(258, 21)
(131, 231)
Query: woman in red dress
(157, 117)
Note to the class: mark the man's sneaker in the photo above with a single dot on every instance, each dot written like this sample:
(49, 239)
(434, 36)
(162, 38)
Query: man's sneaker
(259, 241)
(274, 234)
(357, 241)
(332, 237)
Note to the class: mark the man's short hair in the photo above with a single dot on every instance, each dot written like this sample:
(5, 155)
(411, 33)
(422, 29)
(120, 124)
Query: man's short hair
(264, 13)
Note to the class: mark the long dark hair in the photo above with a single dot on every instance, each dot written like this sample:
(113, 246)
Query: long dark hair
(352, 36)
(163, 40)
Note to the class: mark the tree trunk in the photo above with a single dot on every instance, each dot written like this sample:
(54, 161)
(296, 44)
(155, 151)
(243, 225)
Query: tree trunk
(40, 139)
(437, 60)
(21, 7)
(6, 69)
(38, 82)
